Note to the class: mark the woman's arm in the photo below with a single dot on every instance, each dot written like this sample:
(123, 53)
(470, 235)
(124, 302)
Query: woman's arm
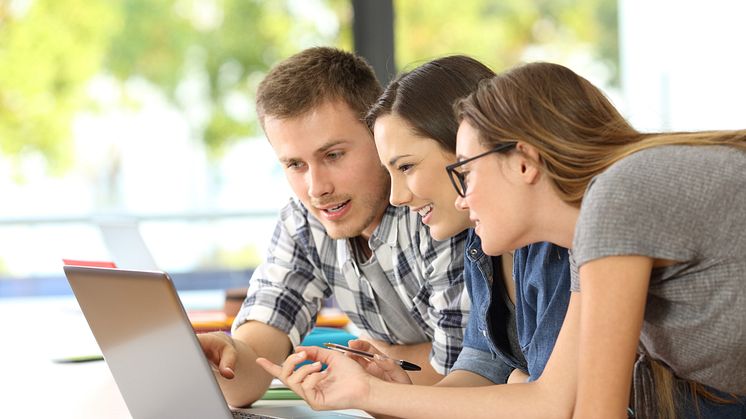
(614, 293)
(552, 395)
(344, 384)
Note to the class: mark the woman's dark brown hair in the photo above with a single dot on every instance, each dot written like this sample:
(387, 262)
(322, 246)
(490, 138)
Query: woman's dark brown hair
(424, 97)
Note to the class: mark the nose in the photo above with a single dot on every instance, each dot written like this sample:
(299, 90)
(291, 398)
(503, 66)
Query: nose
(400, 193)
(319, 182)
(461, 204)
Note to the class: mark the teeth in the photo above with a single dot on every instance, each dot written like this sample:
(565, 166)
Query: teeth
(335, 209)
(425, 210)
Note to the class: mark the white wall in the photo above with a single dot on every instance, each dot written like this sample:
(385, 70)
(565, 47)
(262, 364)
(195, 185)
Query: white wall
(683, 63)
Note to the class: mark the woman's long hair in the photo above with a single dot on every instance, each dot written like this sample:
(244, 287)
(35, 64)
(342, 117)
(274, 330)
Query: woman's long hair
(578, 134)
(577, 131)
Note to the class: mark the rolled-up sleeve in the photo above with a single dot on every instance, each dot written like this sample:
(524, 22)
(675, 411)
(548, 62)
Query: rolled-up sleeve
(484, 364)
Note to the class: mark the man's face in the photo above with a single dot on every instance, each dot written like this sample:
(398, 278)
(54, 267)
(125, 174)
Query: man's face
(331, 163)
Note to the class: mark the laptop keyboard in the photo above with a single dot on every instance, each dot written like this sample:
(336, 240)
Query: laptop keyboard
(246, 415)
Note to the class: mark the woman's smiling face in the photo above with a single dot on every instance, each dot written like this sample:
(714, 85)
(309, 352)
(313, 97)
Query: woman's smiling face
(418, 176)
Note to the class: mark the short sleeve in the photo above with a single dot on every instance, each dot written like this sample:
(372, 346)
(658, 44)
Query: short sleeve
(639, 206)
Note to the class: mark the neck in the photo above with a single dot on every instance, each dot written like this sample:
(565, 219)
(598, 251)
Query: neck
(559, 225)
(368, 231)
(553, 219)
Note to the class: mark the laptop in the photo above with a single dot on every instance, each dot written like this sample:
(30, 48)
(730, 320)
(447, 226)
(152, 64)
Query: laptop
(152, 352)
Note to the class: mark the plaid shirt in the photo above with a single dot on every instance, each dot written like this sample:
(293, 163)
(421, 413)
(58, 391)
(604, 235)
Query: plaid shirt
(304, 266)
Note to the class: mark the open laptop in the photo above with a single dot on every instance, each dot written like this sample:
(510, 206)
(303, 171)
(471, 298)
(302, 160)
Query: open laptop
(150, 347)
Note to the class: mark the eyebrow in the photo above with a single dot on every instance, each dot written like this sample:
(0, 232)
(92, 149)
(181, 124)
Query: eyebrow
(393, 160)
(321, 150)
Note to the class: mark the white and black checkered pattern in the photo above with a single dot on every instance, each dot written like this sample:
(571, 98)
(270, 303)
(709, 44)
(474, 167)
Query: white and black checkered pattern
(304, 266)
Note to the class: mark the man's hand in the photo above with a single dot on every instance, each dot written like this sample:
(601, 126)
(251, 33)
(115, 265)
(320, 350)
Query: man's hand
(233, 359)
(220, 351)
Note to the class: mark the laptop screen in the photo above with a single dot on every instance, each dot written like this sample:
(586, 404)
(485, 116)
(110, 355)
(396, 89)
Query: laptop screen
(148, 343)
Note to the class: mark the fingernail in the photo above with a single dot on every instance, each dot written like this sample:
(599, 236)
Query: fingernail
(301, 354)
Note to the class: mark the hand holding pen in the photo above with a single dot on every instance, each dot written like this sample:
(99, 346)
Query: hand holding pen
(406, 365)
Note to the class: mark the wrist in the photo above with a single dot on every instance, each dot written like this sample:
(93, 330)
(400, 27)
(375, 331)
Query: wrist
(371, 401)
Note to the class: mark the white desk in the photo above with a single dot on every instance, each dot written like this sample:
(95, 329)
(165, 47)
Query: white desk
(35, 332)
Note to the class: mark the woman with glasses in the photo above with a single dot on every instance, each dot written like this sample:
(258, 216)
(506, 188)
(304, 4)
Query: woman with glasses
(656, 226)
(513, 325)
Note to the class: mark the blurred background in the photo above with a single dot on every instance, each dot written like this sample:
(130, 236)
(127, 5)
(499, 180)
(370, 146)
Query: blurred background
(138, 115)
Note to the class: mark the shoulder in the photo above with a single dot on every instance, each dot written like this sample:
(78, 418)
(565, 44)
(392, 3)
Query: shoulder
(294, 217)
(398, 228)
(636, 181)
(663, 168)
(294, 211)
(628, 172)
(299, 224)
(541, 252)
(541, 262)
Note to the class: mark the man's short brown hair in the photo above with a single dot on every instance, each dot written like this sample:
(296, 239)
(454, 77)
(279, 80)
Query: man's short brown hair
(313, 77)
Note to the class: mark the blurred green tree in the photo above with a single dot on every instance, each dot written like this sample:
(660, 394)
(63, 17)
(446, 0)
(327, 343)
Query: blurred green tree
(50, 50)
(206, 56)
(45, 61)
(504, 33)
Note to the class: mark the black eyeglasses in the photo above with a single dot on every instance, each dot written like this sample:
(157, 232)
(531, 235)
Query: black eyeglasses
(458, 179)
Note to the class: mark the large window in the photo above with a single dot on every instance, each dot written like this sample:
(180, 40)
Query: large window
(140, 112)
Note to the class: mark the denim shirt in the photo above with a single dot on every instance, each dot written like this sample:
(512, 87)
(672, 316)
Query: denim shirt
(541, 272)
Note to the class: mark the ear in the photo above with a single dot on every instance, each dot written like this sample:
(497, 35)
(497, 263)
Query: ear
(528, 162)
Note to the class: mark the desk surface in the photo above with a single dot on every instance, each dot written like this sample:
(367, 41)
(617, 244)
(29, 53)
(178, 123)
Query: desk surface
(36, 331)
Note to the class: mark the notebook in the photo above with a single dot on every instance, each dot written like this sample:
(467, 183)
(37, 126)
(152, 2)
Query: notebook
(152, 352)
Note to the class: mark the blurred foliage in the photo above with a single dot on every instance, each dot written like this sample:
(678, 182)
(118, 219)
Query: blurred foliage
(50, 50)
(234, 258)
(44, 63)
(500, 33)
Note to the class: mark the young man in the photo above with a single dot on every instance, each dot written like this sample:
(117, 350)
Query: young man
(339, 236)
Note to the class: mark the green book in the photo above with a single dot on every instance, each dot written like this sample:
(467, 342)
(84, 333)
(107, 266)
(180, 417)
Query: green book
(280, 394)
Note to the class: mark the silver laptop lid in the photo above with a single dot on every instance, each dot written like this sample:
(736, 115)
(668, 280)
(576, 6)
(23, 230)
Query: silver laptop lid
(148, 343)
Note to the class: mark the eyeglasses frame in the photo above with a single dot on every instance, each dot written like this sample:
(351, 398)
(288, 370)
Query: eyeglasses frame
(458, 180)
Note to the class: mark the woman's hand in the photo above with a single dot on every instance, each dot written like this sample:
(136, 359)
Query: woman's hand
(344, 384)
(381, 366)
